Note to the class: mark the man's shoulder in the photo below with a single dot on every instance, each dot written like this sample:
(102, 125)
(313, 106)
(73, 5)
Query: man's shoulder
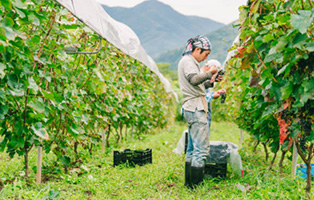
(186, 59)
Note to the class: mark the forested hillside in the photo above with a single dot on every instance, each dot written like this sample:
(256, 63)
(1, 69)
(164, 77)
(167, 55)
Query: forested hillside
(159, 27)
(221, 40)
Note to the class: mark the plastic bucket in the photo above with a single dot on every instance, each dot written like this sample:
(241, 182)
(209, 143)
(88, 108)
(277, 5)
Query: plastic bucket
(301, 171)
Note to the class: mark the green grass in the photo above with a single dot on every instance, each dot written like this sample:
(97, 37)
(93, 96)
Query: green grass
(164, 179)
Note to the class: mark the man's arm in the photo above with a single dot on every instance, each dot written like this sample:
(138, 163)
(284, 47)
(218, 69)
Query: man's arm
(208, 84)
(196, 79)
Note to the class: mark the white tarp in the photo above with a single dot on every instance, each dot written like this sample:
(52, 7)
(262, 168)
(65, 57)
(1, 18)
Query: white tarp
(120, 35)
(232, 52)
(220, 152)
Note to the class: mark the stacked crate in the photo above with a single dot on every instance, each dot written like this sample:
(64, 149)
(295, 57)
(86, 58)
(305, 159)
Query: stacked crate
(216, 163)
(132, 157)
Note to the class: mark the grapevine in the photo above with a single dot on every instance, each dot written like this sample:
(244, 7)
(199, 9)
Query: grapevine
(64, 101)
(272, 74)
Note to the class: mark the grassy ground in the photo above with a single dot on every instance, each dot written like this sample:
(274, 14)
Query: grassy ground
(97, 179)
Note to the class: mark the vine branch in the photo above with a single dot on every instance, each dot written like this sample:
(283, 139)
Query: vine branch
(49, 30)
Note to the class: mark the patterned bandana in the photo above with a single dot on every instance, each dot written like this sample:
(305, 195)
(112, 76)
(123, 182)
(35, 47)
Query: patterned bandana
(198, 41)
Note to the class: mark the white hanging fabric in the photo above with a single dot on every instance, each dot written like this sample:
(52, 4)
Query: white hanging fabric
(120, 35)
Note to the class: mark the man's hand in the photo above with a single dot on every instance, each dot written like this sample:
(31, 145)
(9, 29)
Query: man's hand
(212, 80)
(205, 68)
(218, 93)
(213, 69)
(219, 78)
(222, 91)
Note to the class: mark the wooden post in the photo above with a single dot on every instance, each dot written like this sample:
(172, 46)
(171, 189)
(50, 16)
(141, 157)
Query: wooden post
(294, 159)
(39, 163)
(132, 132)
(103, 140)
(241, 137)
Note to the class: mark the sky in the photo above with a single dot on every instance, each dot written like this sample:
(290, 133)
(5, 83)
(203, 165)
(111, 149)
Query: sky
(224, 11)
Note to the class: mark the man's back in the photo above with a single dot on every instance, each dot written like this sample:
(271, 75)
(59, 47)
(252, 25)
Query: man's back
(191, 94)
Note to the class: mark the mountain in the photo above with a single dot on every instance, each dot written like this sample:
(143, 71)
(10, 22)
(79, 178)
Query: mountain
(221, 40)
(159, 27)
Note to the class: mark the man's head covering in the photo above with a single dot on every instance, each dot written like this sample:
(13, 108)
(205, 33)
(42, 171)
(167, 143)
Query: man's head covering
(198, 41)
(213, 62)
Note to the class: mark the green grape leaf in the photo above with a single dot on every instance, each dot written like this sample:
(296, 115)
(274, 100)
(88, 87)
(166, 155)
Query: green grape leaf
(17, 92)
(268, 37)
(38, 105)
(7, 4)
(32, 84)
(256, 6)
(305, 97)
(308, 85)
(66, 160)
(2, 70)
(9, 33)
(40, 132)
(3, 111)
(19, 4)
(271, 57)
(310, 47)
(281, 43)
(8, 21)
(287, 91)
(282, 69)
(2, 95)
(47, 95)
(34, 19)
(20, 13)
(302, 21)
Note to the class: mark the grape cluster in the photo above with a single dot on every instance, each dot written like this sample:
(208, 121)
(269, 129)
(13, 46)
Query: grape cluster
(307, 65)
(288, 114)
(223, 98)
(305, 117)
(303, 142)
(311, 62)
(306, 126)
(305, 121)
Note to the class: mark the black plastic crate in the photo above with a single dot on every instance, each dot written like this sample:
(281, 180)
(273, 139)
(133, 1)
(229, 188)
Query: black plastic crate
(132, 157)
(186, 141)
(216, 169)
(218, 153)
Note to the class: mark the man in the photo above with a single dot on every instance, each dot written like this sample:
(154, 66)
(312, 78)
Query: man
(210, 95)
(193, 85)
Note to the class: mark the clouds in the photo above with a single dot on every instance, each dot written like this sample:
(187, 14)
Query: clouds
(225, 11)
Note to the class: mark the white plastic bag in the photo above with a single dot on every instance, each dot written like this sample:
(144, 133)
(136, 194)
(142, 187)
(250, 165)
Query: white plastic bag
(220, 152)
(180, 149)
